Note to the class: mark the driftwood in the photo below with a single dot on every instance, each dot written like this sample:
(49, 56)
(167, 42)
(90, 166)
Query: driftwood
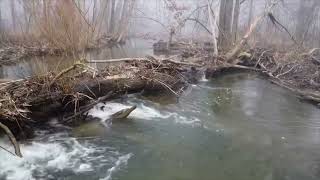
(123, 113)
(4, 81)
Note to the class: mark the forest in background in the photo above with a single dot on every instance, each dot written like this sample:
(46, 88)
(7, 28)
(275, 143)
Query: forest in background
(70, 25)
(76, 24)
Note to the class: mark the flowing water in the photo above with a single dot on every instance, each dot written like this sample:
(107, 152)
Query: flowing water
(237, 127)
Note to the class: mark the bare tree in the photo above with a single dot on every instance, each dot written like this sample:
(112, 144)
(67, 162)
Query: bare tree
(250, 13)
(235, 22)
(225, 21)
(13, 14)
(305, 17)
(212, 20)
(112, 16)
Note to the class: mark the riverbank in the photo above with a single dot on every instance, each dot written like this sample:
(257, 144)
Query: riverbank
(78, 86)
(298, 72)
(70, 93)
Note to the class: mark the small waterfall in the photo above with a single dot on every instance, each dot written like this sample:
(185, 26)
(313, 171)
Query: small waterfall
(203, 76)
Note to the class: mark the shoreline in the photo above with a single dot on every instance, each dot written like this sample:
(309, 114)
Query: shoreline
(76, 89)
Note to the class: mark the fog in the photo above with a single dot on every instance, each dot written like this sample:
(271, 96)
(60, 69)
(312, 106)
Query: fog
(155, 18)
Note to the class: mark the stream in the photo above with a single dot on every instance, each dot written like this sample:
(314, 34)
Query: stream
(237, 126)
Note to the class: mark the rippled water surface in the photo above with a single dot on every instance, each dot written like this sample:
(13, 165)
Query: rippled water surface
(234, 127)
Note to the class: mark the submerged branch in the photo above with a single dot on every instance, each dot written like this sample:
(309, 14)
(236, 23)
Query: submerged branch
(12, 139)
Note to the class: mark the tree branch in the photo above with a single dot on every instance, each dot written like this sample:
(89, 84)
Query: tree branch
(12, 139)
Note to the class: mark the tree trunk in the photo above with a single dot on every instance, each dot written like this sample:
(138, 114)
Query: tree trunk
(128, 10)
(225, 21)
(112, 17)
(45, 10)
(13, 15)
(250, 13)
(1, 30)
(235, 22)
(305, 14)
(212, 20)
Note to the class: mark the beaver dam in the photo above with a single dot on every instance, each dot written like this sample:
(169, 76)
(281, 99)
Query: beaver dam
(94, 100)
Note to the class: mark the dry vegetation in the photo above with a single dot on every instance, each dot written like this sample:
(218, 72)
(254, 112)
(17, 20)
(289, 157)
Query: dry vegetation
(78, 88)
(53, 27)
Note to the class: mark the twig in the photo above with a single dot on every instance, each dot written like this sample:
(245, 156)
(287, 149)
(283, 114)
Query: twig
(74, 66)
(12, 139)
(9, 82)
(164, 84)
(7, 150)
(313, 50)
(282, 74)
(200, 23)
(260, 57)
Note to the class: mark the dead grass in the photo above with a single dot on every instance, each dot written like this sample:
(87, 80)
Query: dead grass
(69, 26)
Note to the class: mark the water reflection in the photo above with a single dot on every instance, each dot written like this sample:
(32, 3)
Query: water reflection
(268, 108)
(42, 65)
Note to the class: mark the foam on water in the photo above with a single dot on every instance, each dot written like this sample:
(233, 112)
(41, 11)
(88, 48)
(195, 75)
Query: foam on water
(41, 160)
(122, 161)
(142, 112)
(59, 153)
(194, 122)
(203, 77)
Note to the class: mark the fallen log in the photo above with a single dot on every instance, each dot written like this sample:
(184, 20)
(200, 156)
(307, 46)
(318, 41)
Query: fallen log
(4, 81)
(122, 114)
(170, 60)
(72, 93)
